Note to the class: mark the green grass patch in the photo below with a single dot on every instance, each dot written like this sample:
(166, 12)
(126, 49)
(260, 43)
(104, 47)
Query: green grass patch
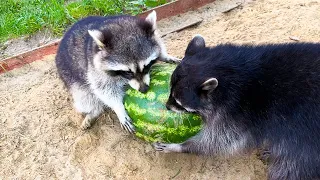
(26, 17)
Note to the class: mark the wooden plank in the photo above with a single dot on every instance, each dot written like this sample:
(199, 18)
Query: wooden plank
(28, 57)
(195, 22)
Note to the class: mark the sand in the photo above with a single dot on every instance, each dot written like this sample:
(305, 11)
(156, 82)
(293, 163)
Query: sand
(39, 130)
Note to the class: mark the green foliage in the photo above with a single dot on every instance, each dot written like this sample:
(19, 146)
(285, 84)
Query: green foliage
(85, 8)
(25, 17)
(135, 6)
(29, 16)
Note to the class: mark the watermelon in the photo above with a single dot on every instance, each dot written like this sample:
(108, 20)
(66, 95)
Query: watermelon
(152, 120)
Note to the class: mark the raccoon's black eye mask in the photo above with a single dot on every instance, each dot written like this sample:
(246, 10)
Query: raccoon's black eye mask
(125, 74)
(147, 68)
(129, 74)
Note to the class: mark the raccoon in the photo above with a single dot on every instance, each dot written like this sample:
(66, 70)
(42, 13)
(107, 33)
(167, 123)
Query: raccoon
(99, 56)
(252, 97)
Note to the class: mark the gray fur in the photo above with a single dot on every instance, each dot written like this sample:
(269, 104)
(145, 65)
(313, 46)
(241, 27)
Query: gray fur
(215, 138)
(99, 56)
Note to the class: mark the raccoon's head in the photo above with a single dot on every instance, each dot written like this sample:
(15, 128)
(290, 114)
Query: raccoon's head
(190, 84)
(127, 47)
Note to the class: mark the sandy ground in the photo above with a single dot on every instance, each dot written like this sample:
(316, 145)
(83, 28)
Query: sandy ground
(39, 130)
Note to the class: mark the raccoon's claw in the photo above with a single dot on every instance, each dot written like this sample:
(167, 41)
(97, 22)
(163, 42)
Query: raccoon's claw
(175, 60)
(167, 148)
(86, 123)
(84, 126)
(159, 146)
(264, 156)
(127, 125)
(171, 59)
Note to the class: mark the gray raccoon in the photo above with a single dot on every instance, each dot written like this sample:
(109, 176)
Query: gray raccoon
(99, 56)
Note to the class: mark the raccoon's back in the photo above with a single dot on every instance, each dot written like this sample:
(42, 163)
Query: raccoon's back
(281, 88)
(290, 72)
(277, 88)
(270, 76)
(279, 71)
(75, 50)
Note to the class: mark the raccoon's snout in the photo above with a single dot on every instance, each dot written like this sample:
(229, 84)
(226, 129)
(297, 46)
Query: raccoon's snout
(173, 106)
(139, 86)
(144, 88)
(169, 103)
(168, 106)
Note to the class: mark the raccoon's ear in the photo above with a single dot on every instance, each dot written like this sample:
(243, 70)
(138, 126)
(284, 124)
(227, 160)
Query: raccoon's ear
(152, 19)
(194, 45)
(97, 36)
(209, 85)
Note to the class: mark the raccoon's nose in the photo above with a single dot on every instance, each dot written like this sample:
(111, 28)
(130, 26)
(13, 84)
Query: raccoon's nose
(168, 107)
(144, 88)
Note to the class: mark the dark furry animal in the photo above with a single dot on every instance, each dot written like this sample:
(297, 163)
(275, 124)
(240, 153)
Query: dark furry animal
(265, 96)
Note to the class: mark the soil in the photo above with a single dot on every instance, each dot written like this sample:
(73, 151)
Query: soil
(39, 130)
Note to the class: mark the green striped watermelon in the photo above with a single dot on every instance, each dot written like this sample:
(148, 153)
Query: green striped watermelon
(152, 120)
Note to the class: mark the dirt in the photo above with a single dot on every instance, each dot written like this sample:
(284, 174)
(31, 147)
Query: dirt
(39, 130)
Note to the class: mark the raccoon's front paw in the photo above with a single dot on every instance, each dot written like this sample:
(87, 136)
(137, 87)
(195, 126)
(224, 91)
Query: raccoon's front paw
(175, 59)
(127, 125)
(264, 155)
(86, 123)
(167, 148)
(171, 59)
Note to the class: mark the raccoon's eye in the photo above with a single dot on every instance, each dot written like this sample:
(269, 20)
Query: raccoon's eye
(125, 74)
(147, 68)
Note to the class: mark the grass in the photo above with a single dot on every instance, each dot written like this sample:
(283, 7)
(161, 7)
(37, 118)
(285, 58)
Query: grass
(26, 17)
